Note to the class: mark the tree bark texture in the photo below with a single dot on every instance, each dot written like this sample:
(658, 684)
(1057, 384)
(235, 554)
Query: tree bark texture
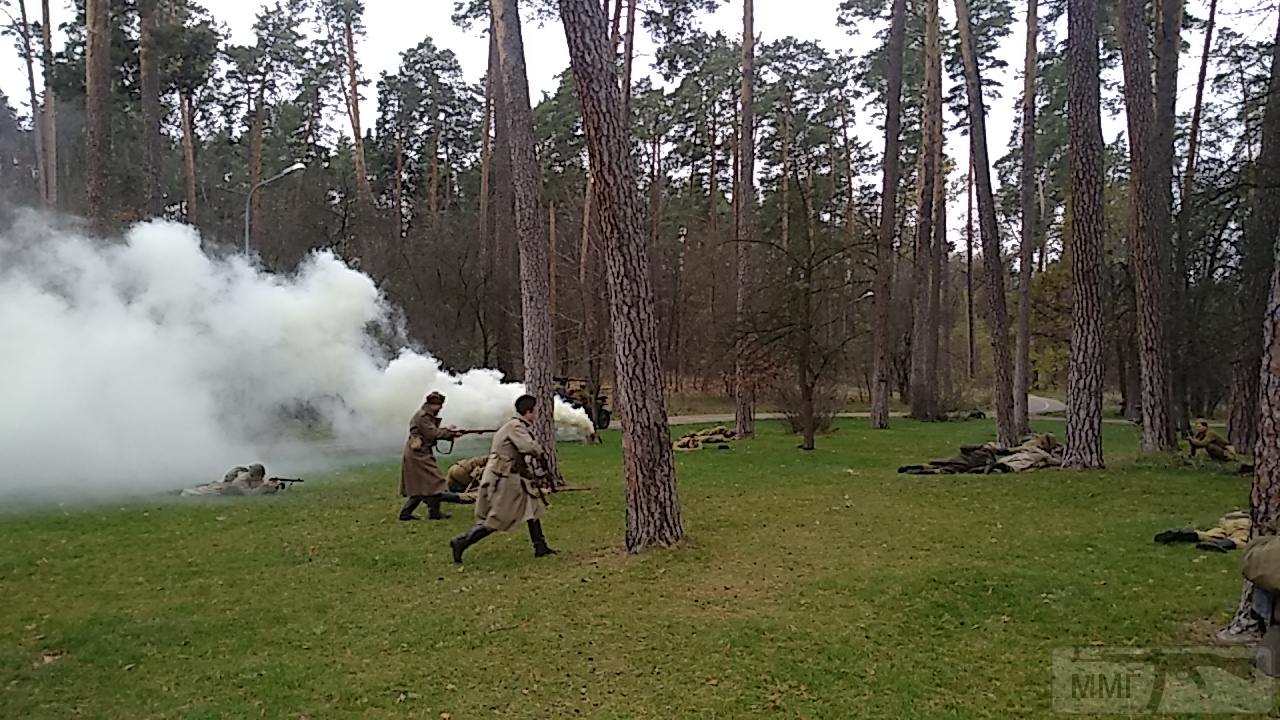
(50, 139)
(653, 506)
(97, 106)
(188, 154)
(1084, 128)
(1147, 208)
(526, 178)
(924, 381)
(744, 203)
(1002, 385)
(149, 86)
(1030, 223)
(883, 331)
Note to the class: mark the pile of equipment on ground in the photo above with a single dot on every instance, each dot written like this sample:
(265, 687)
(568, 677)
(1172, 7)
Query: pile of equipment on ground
(1038, 451)
(718, 436)
(242, 480)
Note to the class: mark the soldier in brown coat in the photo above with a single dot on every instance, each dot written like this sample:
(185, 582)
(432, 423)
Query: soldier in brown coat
(509, 492)
(420, 477)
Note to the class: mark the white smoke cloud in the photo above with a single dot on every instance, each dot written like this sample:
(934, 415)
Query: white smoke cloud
(147, 365)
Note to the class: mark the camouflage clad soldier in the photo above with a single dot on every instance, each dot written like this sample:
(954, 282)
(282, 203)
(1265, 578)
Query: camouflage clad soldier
(420, 477)
(239, 480)
(509, 491)
(465, 475)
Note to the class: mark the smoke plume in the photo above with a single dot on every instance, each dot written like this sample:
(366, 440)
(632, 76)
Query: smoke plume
(146, 364)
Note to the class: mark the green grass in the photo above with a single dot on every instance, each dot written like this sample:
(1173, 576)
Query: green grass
(817, 585)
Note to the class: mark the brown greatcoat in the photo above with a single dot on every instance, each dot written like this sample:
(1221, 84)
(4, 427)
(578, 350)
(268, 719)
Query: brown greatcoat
(507, 493)
(464, 473)
(419, 472)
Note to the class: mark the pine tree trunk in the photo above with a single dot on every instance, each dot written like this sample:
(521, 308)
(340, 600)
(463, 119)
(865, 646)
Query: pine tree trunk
(97, 106)
(256, 131)
(939, 377)
(50, 139)
(1002, 385)
(1022, 369)
(1147, 207)
(364, 192)
(883, 334)
(923, 379)
(504, 241)
(653, 507)
(188, 154)
(1168, 43)
(526, 176)
(1261, 229)
(628, 59)
(972, 321)
(149, 87)
(1084, 127)
(37, 127)
(488, 249)
(744, 201)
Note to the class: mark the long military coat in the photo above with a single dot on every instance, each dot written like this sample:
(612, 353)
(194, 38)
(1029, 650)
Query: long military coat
(507, 494)
(419, 472)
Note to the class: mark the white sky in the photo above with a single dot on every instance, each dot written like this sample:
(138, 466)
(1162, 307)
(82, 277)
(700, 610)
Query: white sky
(397, 25)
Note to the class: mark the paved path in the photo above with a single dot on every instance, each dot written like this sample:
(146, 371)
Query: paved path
(1036, 405)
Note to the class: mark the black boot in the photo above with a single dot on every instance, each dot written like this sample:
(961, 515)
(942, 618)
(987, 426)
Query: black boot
(410, 504)
(460, 543)
(433, 507)
(540, 547)
(453, 497)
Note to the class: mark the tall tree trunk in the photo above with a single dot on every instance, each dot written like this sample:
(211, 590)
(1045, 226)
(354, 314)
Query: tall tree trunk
(1261, 229)
(628, 59)
(149, 86)
(653, 506)
(526, 176)
(97, 106)
(37, 126)
(1149, 215)
(504, 240)
(972, 322)
(937, 280)
(256, 132)
(488, 246)
(433, 199)
(587, 287)
(744, 202)
(946, 313)
(363, 190)
(1168, 43)
(1002, 386)
(924, 386)
(1084, 127)
(50, 137)
(883, 335)
(1022, 369)
(553, 261)
(188, 154)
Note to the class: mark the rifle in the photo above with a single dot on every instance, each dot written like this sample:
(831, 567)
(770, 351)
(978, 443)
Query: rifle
(285, 482)
(457, 434)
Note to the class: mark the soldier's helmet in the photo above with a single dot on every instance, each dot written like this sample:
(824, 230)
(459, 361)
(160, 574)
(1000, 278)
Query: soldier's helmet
(435, 398)
(257, 472)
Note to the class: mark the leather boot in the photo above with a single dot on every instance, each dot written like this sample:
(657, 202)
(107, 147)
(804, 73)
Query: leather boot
(410, 504)
(460, 543)
(433, 506)
(540, 547)
(453, 497)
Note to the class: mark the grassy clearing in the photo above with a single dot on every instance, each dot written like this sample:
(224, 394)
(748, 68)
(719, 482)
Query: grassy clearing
(816, 586)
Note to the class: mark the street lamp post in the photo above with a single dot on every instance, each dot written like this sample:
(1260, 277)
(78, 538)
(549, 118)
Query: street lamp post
(248, 200)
